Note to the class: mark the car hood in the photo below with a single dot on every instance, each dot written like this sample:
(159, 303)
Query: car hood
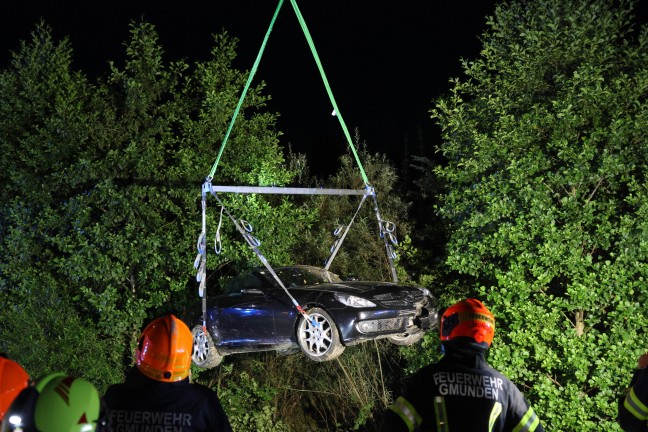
(369, 290)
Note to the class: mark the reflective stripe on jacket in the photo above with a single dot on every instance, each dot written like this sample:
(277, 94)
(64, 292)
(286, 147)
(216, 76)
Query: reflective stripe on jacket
(633, 408)
(407, 413)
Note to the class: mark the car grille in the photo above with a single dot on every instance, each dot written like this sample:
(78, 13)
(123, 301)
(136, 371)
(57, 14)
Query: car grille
(389, 324)
(394, 303)
(403, 298)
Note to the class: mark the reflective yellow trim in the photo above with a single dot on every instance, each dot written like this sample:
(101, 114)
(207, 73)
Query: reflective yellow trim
(441, 415)
(495, 412)
(529, 422)
(407, 413)
(633, 404)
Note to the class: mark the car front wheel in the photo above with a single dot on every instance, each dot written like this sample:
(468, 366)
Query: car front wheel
(318, 336)
(406, 339)
(204, 352)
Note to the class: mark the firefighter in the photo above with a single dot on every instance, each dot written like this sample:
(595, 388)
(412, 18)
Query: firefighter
(461, 392)
(13, 379)
(57, 403)
(157, 394)
(633, 407)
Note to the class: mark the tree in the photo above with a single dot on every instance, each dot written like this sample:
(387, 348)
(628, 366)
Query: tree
(46, 110)
(101, 195)
(545, 159)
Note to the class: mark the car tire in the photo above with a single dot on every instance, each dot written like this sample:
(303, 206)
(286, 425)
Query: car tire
(406, 339)
(319, 342)
(204, 353)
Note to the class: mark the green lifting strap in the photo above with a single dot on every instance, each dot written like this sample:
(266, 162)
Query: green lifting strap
(328, 88)
(245, 89)
(302, 23)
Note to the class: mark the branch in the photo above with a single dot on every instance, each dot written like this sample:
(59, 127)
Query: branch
(594, 191)
(554, 381)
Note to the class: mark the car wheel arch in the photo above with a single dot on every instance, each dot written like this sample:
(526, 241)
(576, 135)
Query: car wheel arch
(314, 305)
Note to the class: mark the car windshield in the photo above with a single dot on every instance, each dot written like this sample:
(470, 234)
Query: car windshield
(302, 276)
(245, 281)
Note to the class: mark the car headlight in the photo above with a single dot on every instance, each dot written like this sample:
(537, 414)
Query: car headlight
(353, 301)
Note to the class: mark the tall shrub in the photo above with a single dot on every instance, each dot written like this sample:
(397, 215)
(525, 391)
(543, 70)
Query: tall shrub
(546, 158)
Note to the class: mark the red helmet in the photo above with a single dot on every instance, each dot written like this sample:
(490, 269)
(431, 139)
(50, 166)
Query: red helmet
(13, 379)
(469, 318)
(164, 349)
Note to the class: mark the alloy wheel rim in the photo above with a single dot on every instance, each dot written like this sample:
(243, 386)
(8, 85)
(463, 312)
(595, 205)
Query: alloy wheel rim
(318, 338)
(200, 347)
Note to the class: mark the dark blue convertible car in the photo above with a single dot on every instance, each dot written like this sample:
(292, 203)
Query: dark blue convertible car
(256, 314)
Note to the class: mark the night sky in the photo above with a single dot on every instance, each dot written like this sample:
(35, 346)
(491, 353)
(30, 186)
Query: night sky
(385, 61)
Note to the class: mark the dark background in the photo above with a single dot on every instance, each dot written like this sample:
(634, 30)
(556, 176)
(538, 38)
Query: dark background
(385, 61)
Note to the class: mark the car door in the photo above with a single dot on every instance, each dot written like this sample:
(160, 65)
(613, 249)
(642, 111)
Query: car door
(246, 318)
(285, 311)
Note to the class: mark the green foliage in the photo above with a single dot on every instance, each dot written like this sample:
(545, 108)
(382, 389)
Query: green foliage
(362, 253)
(45, 333)
(249, 405)
(46, 113)
(545, 153)
(101, 193)
(287, 391)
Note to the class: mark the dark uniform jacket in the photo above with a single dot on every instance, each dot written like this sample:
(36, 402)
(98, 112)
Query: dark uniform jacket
(633, 407)
(461, 393)
(143, 404)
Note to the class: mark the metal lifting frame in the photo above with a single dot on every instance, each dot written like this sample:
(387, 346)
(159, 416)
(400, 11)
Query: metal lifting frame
(288, 190)
(385, 228)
